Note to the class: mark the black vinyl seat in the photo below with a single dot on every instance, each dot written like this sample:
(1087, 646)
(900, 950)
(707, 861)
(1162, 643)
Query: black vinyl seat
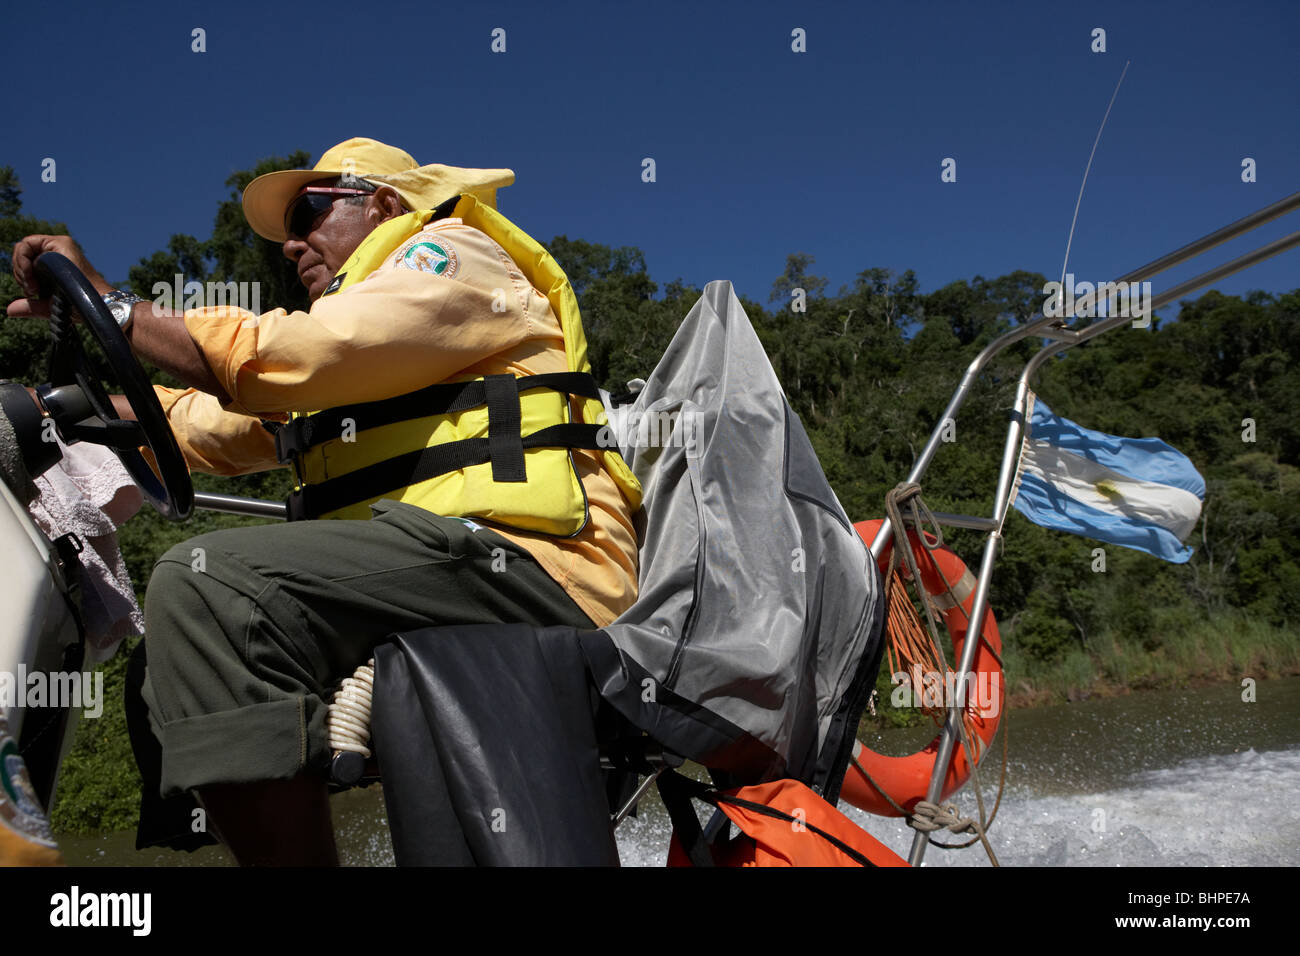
(495, 748)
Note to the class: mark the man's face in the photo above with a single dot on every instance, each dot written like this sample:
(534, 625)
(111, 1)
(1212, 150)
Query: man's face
(333, 238)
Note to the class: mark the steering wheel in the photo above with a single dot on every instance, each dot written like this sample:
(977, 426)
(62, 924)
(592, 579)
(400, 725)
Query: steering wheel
(81, 408)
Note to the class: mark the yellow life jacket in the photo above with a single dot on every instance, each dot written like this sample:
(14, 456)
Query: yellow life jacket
(497, 447)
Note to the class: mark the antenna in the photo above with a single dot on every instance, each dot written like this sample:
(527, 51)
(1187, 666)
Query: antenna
(1087, 169)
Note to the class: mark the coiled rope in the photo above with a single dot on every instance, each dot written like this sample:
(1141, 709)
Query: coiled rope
(929, 817)
(348, 718)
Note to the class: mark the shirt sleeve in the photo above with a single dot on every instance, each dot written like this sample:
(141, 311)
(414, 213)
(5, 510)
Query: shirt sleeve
(397, 330)
(212, 439)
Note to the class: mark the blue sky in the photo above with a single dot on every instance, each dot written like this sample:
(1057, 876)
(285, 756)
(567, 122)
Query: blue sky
(759, 151)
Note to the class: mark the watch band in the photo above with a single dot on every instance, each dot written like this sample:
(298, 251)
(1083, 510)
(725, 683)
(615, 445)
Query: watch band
(121, 304)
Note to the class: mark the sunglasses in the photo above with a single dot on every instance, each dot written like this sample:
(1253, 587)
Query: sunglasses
(305, 213)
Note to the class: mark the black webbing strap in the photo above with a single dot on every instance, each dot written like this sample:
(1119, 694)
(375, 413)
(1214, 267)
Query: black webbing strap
(680, 790)
(444, 209)
(676, 792)
(414, 467)
(302, 434)
(505, 444)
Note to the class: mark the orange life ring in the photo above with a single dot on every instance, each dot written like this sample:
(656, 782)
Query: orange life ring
(906, 779)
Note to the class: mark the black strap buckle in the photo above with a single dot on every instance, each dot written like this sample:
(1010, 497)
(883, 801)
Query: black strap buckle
(292, 439)
(295, 506)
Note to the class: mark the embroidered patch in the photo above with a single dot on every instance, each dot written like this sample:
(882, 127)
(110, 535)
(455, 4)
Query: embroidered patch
(425, 255)
(334, 286)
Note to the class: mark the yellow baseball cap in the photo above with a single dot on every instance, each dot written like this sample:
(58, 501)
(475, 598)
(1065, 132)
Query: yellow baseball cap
(267, 197)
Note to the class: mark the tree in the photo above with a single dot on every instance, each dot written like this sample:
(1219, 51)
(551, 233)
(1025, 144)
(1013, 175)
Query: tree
(233, 253)
(24, 343)
(10, 193)
(627, 331)
(586, 263)
(796, 277)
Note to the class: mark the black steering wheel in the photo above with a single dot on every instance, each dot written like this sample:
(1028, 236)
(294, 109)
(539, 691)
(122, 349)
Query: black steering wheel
(81, 408)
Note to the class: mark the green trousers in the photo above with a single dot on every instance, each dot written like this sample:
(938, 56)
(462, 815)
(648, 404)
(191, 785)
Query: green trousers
(249, 630)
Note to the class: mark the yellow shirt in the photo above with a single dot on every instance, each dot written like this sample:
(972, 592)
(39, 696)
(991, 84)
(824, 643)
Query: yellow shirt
(398, 330)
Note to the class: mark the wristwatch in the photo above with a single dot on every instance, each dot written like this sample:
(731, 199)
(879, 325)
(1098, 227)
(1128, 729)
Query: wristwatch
(120, 305)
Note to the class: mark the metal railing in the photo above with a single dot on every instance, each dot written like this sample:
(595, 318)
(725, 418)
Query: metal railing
(239, 505)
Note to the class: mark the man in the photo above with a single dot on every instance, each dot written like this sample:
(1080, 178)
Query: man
(248, 630)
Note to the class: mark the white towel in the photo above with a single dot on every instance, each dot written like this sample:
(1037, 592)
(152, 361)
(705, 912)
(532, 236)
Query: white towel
(90, 494)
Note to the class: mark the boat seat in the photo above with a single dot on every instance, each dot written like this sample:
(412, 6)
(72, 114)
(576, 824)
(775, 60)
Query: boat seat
(625, 757)
(494, 748)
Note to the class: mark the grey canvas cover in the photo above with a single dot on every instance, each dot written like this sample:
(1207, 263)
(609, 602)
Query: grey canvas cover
(756, 634)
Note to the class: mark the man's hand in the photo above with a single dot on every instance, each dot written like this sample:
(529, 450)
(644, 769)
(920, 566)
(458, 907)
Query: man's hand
(156, 335)
(26, 251)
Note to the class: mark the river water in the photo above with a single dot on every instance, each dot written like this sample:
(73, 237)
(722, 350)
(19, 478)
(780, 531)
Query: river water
(1160, 778)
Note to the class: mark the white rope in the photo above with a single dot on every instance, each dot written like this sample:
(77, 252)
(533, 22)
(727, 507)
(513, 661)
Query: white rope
(348, 720)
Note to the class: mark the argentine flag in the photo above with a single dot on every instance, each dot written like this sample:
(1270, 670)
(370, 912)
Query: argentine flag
(1135, 492)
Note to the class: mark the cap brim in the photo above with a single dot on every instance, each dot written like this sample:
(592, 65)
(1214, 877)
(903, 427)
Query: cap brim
(267, 198)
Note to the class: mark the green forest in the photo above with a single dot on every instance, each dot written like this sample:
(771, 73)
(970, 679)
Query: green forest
(869, 369)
